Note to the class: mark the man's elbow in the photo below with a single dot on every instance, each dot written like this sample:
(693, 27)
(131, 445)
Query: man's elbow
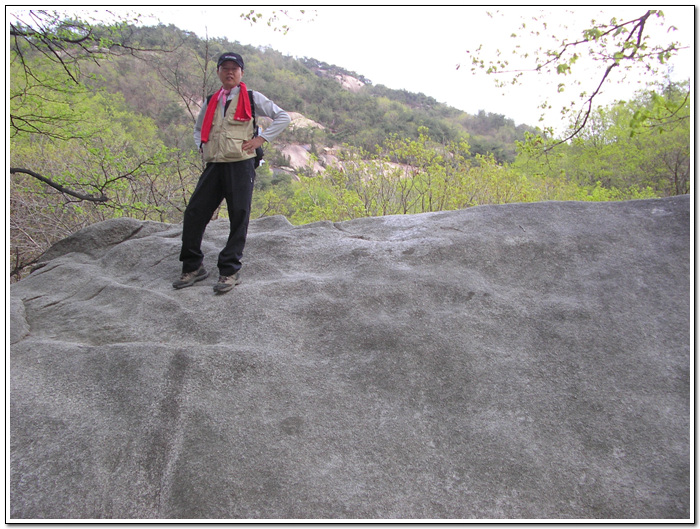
(285, 119)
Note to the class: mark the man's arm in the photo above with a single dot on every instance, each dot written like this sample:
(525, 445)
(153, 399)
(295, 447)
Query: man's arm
(280, 121)
(267, 108)
(198, 127)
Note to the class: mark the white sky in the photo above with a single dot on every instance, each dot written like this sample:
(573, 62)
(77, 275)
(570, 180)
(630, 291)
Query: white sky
(417, 48)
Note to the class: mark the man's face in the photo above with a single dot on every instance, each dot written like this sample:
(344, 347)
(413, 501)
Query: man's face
(230, 74)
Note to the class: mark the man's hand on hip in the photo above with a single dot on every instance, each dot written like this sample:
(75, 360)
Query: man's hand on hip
(250, 145)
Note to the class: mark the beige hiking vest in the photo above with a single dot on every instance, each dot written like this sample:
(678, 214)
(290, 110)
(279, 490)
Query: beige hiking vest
(227, 136)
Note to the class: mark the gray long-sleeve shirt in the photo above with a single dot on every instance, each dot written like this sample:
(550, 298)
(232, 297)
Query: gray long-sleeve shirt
(263, 107)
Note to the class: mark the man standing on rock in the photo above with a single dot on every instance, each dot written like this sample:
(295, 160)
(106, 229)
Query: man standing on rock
(225, 135)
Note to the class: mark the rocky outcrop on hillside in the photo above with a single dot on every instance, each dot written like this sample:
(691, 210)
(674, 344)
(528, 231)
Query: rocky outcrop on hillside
(299, 156)
(299, 121)
(503, 362)
(347, 81)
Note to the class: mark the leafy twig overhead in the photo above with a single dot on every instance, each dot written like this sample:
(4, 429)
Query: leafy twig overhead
(617, 44)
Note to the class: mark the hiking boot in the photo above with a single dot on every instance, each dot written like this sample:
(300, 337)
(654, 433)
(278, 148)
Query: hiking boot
(227, 283)
(190, 278)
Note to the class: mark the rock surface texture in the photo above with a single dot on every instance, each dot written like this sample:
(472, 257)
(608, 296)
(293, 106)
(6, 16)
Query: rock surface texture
(502, 362)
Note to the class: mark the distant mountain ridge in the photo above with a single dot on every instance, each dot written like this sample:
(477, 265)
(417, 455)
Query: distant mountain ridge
(349, 108)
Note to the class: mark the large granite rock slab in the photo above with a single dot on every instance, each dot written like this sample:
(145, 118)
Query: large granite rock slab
(502, 362)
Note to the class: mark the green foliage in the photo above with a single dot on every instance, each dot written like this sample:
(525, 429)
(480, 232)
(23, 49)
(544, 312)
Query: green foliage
(598, 193)
(402, 176)
(615, 151)
(119, 150)
(48, 57)
(42, 98)
(118, 155)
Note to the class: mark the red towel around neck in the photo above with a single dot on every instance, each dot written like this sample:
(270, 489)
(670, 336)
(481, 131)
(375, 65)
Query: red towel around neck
(243, 111)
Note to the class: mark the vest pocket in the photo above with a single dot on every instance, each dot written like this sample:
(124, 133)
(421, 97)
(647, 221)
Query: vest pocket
(235, 133)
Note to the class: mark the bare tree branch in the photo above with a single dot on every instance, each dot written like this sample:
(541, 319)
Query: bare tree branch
(58, 187)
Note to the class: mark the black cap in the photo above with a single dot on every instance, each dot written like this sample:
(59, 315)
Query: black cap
(230, 56)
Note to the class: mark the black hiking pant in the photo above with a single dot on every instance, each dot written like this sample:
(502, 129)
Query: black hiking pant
(233, 182)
